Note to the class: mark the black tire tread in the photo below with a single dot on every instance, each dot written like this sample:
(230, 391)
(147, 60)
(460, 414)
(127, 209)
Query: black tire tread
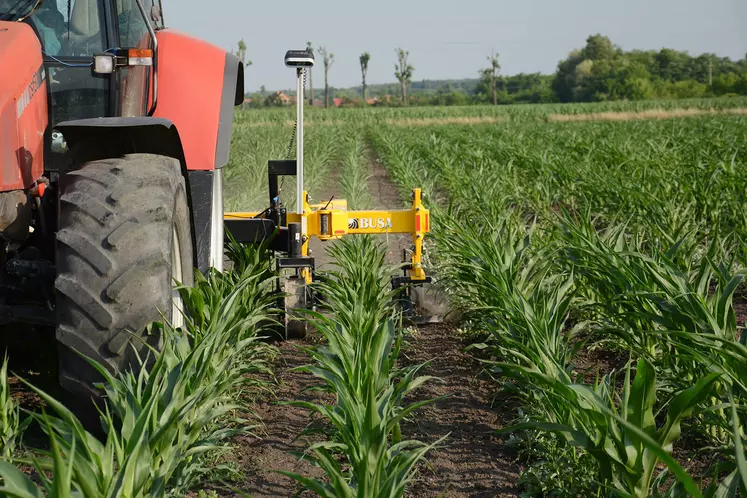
(114, 259)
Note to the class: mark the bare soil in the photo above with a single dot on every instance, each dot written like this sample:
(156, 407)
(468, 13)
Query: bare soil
(258, 458)
(472, 461)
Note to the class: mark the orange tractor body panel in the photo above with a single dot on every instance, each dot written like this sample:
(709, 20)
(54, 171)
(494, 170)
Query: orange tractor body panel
(24, 116)
(190, 89)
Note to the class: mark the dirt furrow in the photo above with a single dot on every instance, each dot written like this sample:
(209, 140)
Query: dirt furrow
(472, 460)
(258, 458)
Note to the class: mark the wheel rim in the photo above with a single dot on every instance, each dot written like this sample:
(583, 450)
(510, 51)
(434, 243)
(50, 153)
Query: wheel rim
(177, 304)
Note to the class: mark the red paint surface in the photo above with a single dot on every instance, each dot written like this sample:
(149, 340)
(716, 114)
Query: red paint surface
(190, 89)
(21, 137)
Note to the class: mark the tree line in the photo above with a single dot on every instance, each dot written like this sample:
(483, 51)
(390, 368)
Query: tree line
(600, 71)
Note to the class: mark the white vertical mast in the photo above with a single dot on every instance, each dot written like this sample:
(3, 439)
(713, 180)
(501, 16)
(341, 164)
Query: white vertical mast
(299, 139)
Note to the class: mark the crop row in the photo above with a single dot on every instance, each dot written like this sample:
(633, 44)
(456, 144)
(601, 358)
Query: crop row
(357, 363)
(568, 244)
(162, 422)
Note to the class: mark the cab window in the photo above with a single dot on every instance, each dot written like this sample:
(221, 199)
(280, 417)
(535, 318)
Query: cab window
(133, 31)
(69, 28)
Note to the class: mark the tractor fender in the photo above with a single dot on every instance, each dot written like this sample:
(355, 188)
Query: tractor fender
(104, 138)
(199, 85)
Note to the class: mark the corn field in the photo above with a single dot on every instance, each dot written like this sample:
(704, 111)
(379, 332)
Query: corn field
(596, 265)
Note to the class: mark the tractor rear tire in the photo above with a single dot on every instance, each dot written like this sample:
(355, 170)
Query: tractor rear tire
(124, 235)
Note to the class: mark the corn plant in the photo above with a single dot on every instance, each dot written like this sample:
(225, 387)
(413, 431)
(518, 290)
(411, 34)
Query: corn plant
(642, 295)
(11, 425)
(727, 412)
(625, 440)
(507, 291)
(16, 484)
(358, 364)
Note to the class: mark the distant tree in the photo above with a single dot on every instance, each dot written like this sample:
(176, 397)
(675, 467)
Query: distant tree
(241, 54)
(364, 58)
(564, 81)
(403, 72)
(617, 79)
(311, 81)
(671, 65)
(492, 73)
(329, 59)
(598, 48)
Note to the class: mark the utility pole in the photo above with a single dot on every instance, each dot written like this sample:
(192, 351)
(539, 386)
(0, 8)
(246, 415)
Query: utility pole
(710, 72)
(311, 81)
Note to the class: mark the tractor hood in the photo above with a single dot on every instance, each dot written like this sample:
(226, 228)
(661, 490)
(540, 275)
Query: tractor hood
(23, 106)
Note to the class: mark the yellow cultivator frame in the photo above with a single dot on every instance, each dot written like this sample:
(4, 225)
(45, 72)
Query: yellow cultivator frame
(332, 220)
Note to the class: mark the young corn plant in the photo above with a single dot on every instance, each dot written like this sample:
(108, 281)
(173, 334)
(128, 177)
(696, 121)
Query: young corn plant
(727, 412)
(358, 365)
(11, 425)
(622, 434)
(658, 307)
(16, 484)
(507, 290)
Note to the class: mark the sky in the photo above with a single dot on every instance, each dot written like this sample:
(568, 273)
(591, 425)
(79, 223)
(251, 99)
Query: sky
(451, 40)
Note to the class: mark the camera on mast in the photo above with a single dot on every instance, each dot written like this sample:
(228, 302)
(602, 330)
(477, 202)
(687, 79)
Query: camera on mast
(299, 58)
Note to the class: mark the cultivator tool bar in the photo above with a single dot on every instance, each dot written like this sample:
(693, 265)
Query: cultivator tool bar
(288, 234)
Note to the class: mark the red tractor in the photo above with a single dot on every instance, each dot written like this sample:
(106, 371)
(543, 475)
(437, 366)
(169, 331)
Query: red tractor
(113, 134)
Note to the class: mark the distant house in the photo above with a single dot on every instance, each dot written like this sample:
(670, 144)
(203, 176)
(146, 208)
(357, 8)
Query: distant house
(282, 97)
